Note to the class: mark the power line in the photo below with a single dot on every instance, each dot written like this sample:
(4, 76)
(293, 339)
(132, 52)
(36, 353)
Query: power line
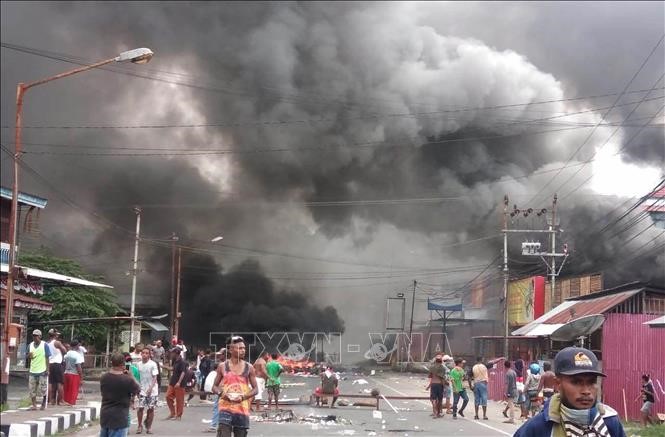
(653, 50)
(280, 96)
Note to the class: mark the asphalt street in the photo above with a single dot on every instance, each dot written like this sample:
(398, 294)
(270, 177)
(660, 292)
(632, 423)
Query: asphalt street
(410, 418)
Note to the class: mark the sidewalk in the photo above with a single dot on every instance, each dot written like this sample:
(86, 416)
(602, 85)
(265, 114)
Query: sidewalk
(26, 423)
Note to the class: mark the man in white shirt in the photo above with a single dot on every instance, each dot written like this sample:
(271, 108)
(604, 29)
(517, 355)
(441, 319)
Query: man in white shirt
(56, 376)
(148, 395)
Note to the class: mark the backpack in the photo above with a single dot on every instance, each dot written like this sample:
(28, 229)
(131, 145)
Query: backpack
(190, 378)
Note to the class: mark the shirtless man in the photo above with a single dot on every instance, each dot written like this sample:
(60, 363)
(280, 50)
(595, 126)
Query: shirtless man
(261, 375)
(548, 382)
(437, 376)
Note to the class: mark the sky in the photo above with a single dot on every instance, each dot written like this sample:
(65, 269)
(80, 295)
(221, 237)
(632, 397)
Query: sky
(343, 150)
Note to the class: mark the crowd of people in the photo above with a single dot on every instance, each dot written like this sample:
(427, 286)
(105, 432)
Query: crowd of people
(560, 396)
(55, 370)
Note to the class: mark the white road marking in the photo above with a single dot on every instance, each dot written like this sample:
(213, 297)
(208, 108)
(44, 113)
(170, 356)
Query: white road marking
(423, 402)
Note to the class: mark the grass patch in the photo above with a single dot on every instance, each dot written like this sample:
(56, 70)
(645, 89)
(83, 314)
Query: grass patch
(650, 431)
(25, 402)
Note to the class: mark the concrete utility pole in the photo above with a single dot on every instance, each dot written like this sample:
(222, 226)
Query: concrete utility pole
(177, 298)
(553, 272)
(528, 249)
(135, 263)
(174, 238)
(413, 303)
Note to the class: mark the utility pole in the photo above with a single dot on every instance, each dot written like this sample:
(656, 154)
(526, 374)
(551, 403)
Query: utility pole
(505, 276)
(529, 249)
(177, 298)
(174, 238)
(137, 210)
(553, 272)
(413, 303)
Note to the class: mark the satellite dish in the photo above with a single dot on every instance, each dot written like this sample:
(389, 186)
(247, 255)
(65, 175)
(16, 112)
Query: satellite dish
(578, 328)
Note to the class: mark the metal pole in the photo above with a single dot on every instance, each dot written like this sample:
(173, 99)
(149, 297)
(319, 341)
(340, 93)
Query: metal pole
(173, 279)
(413, 304)
(137, 210)
(553, 247)
(177, 298)
(505, 276)
(21, 88)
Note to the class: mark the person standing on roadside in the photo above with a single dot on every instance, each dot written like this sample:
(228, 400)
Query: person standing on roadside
(175, 395)
(575, 410)
(273, 383)
(457, 377)
(548, 383)
(479, 381)
(117, 388)
(437, 375)
(236, 389)
(510, 392)
(73, 377)
(647, 391)
(206, 366)
(38, 356)
(261, 376)
(56, 378)
(158, 353)
(149, 392)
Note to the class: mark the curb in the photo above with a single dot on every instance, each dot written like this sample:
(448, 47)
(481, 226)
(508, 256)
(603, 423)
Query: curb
(52, 424)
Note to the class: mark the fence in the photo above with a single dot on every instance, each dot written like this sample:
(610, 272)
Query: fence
(630, 349)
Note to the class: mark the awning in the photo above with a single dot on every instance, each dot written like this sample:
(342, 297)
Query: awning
(659, 322)
(42, 274)
(155, 326)
(573, 309)
(431, 306)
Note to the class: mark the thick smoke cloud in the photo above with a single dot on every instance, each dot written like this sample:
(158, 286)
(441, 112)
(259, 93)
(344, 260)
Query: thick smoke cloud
(383, 96)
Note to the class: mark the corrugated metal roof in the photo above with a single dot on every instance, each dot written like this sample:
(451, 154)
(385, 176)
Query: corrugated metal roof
(583, 308)
(660, 321)
(36, 273)
(25, 198)
(563, 313)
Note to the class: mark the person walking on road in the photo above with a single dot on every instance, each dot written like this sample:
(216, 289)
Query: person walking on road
(73, 360)
(510, 392)
(261, 376)
(175, 394)
(117, 388)
(56, 378)
(548, 383)
(437, 375)
(273, 383)
(148, 396)
(38, 355)
(575, 411)
(236, 389)
(479, 382)
(532, 389)
(457, 377)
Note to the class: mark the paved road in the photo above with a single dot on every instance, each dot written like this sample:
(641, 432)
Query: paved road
(412, 417)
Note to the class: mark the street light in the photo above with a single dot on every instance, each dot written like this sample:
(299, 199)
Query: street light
(136, 56)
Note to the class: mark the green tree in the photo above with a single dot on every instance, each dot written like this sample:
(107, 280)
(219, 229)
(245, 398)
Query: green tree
(75, 301)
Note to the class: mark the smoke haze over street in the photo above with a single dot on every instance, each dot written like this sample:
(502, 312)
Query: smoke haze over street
(342, 150)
